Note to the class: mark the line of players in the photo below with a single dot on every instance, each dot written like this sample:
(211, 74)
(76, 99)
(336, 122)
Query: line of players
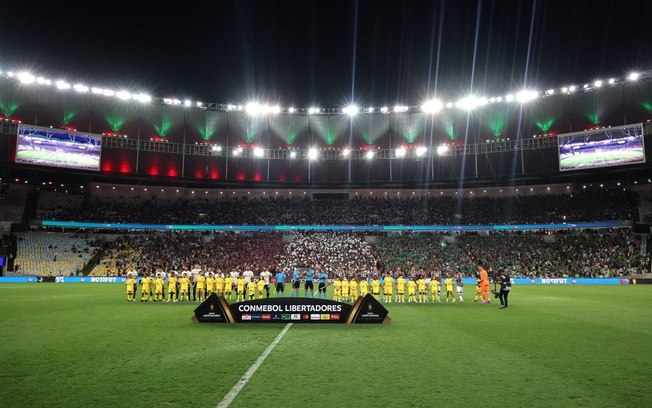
(196, 287)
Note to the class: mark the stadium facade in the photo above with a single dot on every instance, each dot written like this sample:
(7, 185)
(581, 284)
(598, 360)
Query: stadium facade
(214, 145)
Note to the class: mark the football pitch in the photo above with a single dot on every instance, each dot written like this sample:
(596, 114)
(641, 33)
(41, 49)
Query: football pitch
(607, 156)
(67, 345)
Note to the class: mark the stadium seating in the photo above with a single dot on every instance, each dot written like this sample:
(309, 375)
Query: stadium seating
(52, 254)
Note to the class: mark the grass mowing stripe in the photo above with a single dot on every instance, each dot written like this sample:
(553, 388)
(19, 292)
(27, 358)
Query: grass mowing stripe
(245, 378)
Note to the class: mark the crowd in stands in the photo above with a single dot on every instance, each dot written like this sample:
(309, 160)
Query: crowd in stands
(594, 205)
(602, 253)
(585, 254)
(182, 251)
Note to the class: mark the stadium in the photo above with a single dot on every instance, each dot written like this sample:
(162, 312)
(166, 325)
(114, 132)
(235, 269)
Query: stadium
(171, 239)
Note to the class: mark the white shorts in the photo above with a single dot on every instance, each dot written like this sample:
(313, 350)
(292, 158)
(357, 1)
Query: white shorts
(459, 289)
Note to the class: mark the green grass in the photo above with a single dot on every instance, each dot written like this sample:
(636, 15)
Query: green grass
(59, 157)
(602, 157)
(84, 345)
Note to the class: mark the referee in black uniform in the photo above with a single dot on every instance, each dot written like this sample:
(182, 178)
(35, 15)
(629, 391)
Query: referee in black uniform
(505, 282)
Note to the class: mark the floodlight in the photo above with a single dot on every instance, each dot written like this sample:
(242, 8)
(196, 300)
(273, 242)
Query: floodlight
(351, 110)
(187, 103)
(253, 108)
(26, 78)
(400, 152)
(421, 150)
(313, 153)
(63, 85)
(258, 152)
(597, 83)
(526, 96)
(612, 81)
(81, 88)
(370, 154)
(291, 110)
(432, 106)
(442, 150)
(108, 92)
(275, 110)
(293, 154)
(124, 95)
(345, 152)
(384, 109)
(633, 76)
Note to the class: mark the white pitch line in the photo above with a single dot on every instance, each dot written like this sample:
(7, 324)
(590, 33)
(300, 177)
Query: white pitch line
(228, 398)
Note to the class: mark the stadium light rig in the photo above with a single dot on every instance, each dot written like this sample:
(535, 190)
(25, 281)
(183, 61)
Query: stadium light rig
(421, 150)
(442, 150)
(466, 103)
(400, 152)
(259, 152)
(313, 154)
(370, 154)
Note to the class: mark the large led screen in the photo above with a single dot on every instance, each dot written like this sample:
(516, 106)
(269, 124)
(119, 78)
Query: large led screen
(44, 146)
(591, 149)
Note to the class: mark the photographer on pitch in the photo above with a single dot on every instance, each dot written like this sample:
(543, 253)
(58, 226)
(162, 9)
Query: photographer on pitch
(505, 282)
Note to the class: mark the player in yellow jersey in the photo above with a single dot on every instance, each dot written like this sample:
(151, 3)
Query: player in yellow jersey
(228, 286)
(375, 287)
(144, 289)
(151, 281)
(400, 288)
(412, 290)
(388, 288)
(345, 290)
(421, 288)
(434, 289)
(261, 287)
(449, 287)
(363, 285)
(251, 290)
(158, 288)
(185, 286)
(210, 284)
(201, 287)
(353, 289)
(131, 287)
(219, 283)
(337, 289)
(240, 288)
(478, 290)
(172, 287)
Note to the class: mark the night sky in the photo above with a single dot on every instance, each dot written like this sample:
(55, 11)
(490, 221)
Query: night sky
(327, 53)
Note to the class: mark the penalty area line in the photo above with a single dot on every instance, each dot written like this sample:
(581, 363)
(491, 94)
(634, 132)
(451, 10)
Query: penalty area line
(228, 398)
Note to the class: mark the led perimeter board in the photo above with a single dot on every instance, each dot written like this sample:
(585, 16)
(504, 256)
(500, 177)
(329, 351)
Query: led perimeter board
(44, 146)
(615, 146)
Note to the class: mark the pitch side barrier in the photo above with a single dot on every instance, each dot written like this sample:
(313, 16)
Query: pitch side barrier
(174, 227)
(469, 282)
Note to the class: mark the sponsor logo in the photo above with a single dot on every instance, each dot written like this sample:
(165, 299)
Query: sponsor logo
(335, 316)
(314, 316)
(295, 316)
(324, 317)
(246, 317)
(305, 317)
(276, 317)
(554, 280)
(104, 279)
(267, 316)
(256, 317)
(285, 317)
